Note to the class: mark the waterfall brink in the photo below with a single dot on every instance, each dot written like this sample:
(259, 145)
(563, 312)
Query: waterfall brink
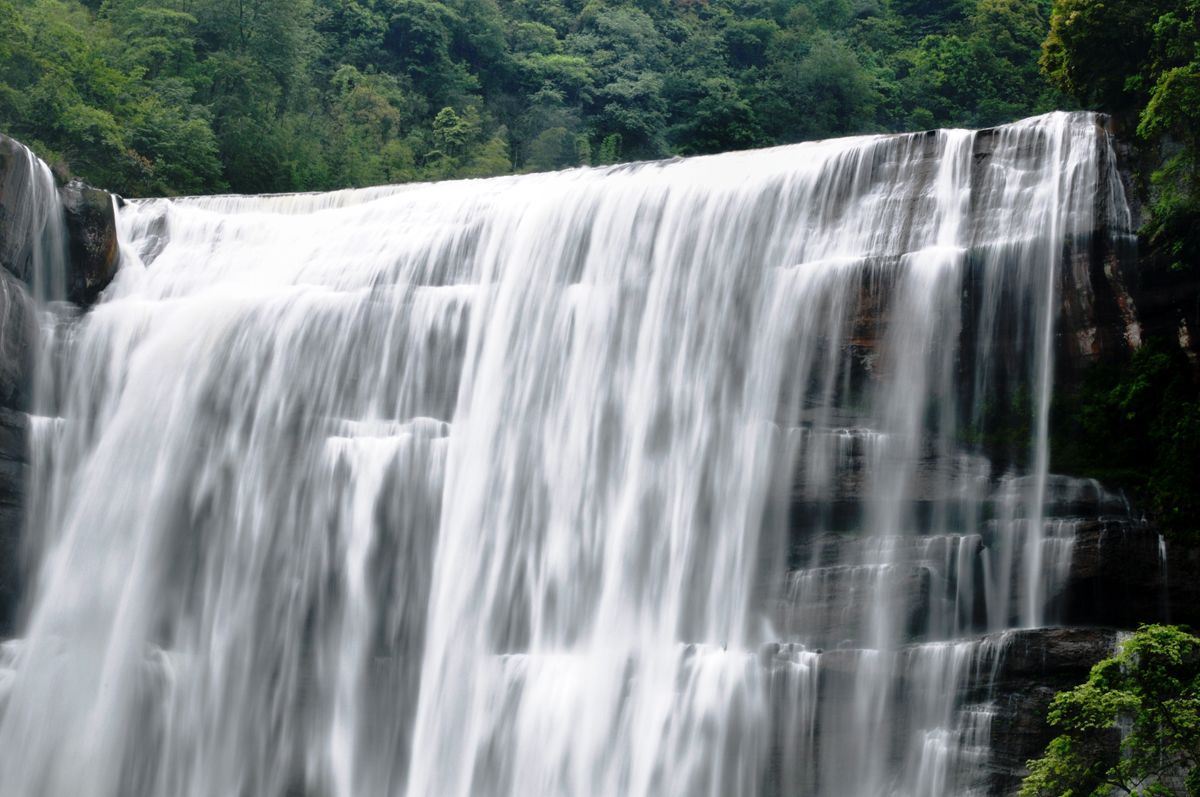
(676, 478)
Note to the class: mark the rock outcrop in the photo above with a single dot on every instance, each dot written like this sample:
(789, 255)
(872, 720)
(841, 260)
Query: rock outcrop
(1122, 573)
(41, 221)
(92, 233)
(1036, 665)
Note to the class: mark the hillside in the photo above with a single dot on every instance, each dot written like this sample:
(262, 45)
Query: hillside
(153, 97)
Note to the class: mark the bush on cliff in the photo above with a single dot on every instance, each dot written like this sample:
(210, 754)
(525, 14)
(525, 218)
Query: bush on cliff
(1132, 728)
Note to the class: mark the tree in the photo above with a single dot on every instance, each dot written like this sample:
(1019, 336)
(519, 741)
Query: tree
(720, 120)
(1132, 728)
(1173, 112)
(835, 91)
(1095, 46)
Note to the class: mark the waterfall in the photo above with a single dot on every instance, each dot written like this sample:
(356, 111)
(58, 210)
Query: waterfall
(668, 478)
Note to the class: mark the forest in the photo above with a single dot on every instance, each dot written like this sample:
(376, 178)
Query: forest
(164, 97)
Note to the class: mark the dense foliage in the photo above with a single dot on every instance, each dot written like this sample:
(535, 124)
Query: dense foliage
(1132, 728)
(1141, 59)
(170, 96)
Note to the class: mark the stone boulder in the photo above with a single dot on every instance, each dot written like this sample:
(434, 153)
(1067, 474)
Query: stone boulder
(92, 234)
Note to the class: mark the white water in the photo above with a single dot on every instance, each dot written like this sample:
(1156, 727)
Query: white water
(565, 484)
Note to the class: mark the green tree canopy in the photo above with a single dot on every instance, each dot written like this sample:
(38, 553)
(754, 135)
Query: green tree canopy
(192, 96)
(1132, 728)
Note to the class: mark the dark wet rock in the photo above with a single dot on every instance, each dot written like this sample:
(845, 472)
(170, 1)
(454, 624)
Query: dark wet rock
(1183, 585)
(14, 476)
(13, 178)
(1167, 300)
(92, 233)
(1116, 294)
(30, 219)
(18, 339)
(831, 606)
(29, 226)
(1037, 664)
(1055, 654)
(1012, 677)
(12, 518)
(1117, 576)
(1123, 574)
(38, 223)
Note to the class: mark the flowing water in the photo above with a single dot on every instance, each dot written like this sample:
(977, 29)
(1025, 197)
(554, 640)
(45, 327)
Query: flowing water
(670, 478)
(36, 225)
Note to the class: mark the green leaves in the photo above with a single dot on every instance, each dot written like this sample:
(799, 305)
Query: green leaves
(1141, 58)
(1132, 727)
(166, 96)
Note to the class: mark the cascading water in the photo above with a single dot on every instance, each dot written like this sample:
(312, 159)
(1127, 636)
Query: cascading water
(656, 479)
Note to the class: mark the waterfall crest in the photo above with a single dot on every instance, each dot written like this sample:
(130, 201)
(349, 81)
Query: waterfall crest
(670, 478)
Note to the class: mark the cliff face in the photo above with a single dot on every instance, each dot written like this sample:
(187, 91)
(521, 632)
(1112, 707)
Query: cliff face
(1114, 298)
(1113, 302)
(59, 243)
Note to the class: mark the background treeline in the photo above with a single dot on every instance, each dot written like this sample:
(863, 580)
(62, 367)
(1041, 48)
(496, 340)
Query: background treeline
(188, 96)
